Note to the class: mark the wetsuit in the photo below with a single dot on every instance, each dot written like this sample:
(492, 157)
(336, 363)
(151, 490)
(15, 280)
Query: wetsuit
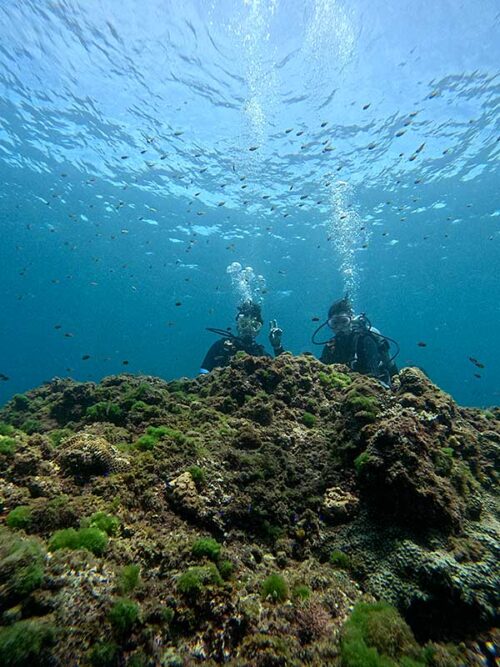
(364, 351)
(223, 350)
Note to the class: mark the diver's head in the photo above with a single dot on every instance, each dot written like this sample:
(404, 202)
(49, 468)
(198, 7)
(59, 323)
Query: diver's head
(249, 319)
(340, 316)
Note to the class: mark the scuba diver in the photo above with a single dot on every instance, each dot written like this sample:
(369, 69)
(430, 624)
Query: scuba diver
(357, 344)
(248, 324)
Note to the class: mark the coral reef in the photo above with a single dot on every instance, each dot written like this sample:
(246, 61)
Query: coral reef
(274, 512)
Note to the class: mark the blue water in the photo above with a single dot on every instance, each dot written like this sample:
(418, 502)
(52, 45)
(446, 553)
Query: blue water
(125, 137)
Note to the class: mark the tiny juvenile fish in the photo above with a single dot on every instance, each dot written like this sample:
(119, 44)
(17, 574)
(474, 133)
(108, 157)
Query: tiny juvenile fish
(421, 344)
(85, 357)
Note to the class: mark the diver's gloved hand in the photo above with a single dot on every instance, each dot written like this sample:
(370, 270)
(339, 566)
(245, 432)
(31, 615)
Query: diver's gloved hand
(275, 334)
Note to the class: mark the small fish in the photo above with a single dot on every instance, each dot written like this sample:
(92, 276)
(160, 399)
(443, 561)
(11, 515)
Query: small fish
(57, 326)
(178, 303)
(299, 133)
(85, 357)
(124, 157)
(253, 148)
(422, 344)
(367, 106)
(125, 363)
(476, 375)
(371, 146)
(304, 196)
(221, 203)
(479, 365)
(324, 124)
(265, 196)
(400, 133)
(314, 319)
(412, 157)
(420, 148)
(290, 129)
(68, 335)
(4, 378)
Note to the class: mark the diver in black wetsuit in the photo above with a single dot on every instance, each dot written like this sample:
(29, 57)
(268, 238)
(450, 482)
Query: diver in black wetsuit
(357, 344)
(248, 323)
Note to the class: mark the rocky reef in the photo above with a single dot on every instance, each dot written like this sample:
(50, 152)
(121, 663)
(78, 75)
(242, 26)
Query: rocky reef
(272, 513)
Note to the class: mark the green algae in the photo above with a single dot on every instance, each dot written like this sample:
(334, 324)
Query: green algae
(301, 592)
(340, 560)
(31, 426)
(105, 522)
(19, 517)
(206, 547)
(375, 635)
(334, 379)
(128, 578)
(21, 567)
(198, 476)
(105, 411)
(226, 569)
(275, 588)
(23, 643)
(7, 445)
(360, 461)
(104, 654)
(92, 539)
(308, 419)
(21, 402)
(6, 429)
(154, 434)
(123, 615)
(194, 581)
(364, 407)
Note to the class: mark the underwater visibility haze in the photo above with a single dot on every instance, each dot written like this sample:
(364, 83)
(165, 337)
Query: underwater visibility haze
(158, 162)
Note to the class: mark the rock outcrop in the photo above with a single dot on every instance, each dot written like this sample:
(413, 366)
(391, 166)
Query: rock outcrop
(239, 517)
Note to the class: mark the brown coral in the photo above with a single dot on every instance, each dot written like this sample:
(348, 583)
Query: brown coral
(85, 455)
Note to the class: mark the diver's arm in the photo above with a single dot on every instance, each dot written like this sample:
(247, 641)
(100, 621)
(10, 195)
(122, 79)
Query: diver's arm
(213, 357)
(327, 355)
(368, 356)
(275, 334)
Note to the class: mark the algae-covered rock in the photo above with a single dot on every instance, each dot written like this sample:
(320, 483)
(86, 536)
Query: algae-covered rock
(243, 514)
(338, 505)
